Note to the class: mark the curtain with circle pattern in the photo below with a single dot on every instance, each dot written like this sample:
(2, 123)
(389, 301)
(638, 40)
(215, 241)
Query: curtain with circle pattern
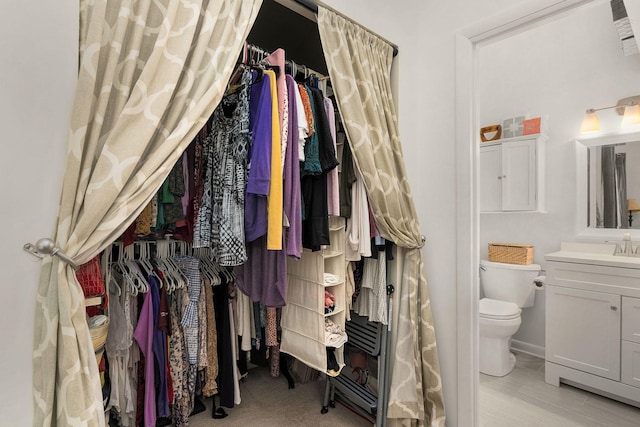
(150, 74)
(359, 65)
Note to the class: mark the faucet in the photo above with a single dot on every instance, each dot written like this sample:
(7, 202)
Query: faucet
(618, 249)
(628, 248)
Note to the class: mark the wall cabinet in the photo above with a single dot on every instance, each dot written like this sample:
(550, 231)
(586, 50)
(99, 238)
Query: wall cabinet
(592, 335)
(512, 174)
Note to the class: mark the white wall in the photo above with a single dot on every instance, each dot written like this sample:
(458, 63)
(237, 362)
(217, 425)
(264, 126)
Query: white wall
(560, 69)
(425, 68)
(38, 47)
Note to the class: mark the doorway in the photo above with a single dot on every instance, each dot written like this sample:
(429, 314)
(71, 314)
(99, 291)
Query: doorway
(468, 43)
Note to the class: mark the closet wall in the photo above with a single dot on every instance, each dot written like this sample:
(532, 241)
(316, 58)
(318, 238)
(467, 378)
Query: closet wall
(38, 64)
(39, 52)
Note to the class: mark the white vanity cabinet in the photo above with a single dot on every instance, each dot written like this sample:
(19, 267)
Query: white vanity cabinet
(630, 341)
(592, 330)
(511, 174)
(583, 330)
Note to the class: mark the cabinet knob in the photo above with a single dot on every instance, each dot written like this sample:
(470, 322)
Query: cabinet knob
(614, 308)
(499, 177)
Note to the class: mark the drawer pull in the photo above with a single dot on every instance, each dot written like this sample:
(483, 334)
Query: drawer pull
(614, 308)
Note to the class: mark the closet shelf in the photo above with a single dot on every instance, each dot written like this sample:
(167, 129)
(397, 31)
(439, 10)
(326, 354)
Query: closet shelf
(328, 253)
(334, 312)
(337, 344)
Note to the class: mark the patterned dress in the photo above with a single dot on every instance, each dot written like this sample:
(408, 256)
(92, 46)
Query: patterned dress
(220, 221)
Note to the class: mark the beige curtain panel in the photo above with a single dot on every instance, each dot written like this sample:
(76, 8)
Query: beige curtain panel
(150, 74)
(360, 69)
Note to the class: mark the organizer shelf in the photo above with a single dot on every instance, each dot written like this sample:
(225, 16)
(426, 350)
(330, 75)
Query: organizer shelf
(303, 318)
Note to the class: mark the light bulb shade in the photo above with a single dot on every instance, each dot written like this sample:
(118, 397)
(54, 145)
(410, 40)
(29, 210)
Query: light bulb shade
(631, 115)
(590, 123)
(633, 205)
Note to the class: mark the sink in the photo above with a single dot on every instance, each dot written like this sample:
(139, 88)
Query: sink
(593, 253)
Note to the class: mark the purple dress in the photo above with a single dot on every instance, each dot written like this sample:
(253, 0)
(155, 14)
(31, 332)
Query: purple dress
(260, 115)
(292, 195)
(263, 278)
(144, 337)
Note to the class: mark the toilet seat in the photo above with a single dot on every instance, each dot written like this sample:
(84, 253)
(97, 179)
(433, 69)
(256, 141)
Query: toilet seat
(498, 310)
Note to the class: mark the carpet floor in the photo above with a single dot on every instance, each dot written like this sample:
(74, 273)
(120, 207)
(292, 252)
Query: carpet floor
(267, 401)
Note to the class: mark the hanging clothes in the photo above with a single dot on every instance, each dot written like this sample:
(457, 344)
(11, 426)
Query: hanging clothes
(292, 198)
(210, 386)
(220, 223)
(305, 119)
(226, 360)
(276, 58)
(159, 351)
(274, 198)
(122, 397)
(263, 278)
(261, 118)
(347, 177)
(333, 192)
(144, 337)
(372, 299)
(178, 362)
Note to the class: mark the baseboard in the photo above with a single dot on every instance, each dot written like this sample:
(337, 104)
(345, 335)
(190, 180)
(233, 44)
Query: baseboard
(525, 347)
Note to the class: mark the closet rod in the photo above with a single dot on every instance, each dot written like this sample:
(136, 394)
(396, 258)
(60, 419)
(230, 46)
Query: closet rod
(313, 7)
(265, 53)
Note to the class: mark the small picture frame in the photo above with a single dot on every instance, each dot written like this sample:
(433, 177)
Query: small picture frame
(531, 126)
(512, 127)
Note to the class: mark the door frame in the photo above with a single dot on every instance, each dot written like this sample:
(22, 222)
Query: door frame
(468, 42)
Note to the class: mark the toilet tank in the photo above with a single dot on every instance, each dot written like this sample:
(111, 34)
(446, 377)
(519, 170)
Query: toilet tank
(509, 282)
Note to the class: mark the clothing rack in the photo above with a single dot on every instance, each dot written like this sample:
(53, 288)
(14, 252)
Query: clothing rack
(253, 54)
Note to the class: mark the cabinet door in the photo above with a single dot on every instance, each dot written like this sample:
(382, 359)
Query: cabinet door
(631, 319)
(490, 178)
(631, 363)
(519, 175)
(583, 330)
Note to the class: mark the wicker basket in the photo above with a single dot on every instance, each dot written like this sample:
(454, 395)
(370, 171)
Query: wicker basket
(99, 336)
(511, 253)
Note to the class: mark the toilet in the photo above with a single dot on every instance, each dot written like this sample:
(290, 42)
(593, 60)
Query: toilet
(507, 288)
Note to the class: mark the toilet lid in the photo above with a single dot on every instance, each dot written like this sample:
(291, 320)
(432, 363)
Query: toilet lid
(495, 309)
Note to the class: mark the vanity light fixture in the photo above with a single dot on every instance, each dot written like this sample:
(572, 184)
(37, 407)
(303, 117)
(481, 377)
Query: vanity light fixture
(632, 206)
(629, 108)
(631, 115)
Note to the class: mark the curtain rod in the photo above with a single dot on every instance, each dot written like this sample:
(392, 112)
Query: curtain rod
(313, 7)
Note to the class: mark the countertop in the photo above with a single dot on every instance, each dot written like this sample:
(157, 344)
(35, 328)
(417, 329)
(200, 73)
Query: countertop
(593, 253)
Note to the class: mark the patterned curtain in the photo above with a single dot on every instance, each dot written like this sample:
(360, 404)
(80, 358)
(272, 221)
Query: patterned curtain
(150, 74)
(360, 68)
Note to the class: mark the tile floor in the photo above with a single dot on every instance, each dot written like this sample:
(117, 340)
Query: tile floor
(523, 399)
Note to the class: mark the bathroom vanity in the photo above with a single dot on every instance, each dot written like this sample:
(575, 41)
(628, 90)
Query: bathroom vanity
(592, 332)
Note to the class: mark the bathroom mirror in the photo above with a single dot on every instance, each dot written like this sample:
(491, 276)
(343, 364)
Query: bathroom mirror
(608, 167)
